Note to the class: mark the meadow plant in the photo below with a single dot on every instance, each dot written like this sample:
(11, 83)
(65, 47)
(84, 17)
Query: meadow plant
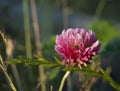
(76, 48)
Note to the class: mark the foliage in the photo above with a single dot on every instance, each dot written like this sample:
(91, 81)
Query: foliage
(87, 70)
(48, 48)
(33, 62)
(104, 30)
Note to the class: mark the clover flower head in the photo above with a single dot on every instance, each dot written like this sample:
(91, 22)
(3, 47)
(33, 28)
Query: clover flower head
(77, 46)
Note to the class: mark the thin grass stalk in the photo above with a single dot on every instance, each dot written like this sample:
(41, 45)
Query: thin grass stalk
(26, 17)
(37, 41)
(4, 69)
(99, 9)
(27, 28)
(8, 79)
(65, 13)
(9, 52)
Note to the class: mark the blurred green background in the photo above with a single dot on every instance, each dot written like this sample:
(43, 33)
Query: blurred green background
(32, 26)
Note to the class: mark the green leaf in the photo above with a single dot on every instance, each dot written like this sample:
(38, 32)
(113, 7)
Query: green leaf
(14, 61)
(57, 60)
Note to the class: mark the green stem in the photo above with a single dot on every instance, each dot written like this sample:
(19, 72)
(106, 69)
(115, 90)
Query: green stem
(26, 17)
(63, 80)
(104, 75)
(27, 28)
(8, 78)
(110, 80)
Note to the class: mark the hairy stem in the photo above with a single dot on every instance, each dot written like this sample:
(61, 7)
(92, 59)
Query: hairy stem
(110, 80)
